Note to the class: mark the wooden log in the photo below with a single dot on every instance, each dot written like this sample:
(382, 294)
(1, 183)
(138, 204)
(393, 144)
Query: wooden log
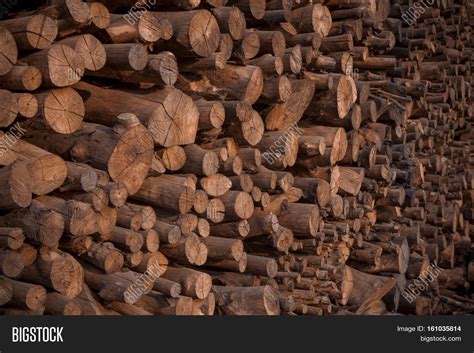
(231, 20)
(335, 103)
(59, 65)
(166, 113)
(11, 263)
(224, 249)
(22, 78)
(238, 205)
(187, 250)
(193, 283)
(104, 256)
(247, 300)
(15, 192)
(196, 30)
(241, 82)
(56, 270)
(58, 304)
(301, 218)
(161, 192)
(27, 105)
(262, 266)
(11, 238)
(246, 48)
(254, 8)
(32, 32)
(312, 18)
(287, 114)
(62, 109)
(28, 296)
(126, 147)
(90, 49)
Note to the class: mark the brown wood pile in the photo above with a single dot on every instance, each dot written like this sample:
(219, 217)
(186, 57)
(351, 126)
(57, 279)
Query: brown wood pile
(236, 157)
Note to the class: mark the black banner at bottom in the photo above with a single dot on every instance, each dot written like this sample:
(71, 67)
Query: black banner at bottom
(217, 334)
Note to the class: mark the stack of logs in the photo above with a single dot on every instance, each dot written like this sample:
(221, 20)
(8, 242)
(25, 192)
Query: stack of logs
(236, 157)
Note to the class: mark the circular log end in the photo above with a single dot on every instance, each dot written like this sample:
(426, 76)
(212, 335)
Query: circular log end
(257, 8)
(250, 46)
(138, 57)
(113, 262)
(356, 116)
(31, 78)
(284, 240)
(215, 210)
(201, 258)
(204, 228)
(243, 263)
(174, 235)
(72, 308)
(278, 65)
(314, 220)
(92, 51)
(322, 19)
(323, 192)
(253, 129)
(244, 228)
(244, 206)
(201, 201)
(237, 249)
(166, 65)
(174, 158)
(210, 163)
(47, 173)
(186, 200)
(284, 88)
(158, 263)
(346, 95)
(226, 45)
(131, 159)
(296, 59)
(149, 27)
(217, 114)
(339, 146)
(271, 301)
(148, 219)
(118, 194)
(191, 248)
(78, 10)
(166, 28)
(41, 31)
(51, 228)
(64, 110)
(67, 276)
(255, 86)
(35, 298)
(204, 33)
(27, 105)
(65, 66)
(203, 285)
(100, 15)
(278, 44)
(152, 240)
(174, 122)
(12, 264)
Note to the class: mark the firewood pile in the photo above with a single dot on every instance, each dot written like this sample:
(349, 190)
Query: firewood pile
(237, 157)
